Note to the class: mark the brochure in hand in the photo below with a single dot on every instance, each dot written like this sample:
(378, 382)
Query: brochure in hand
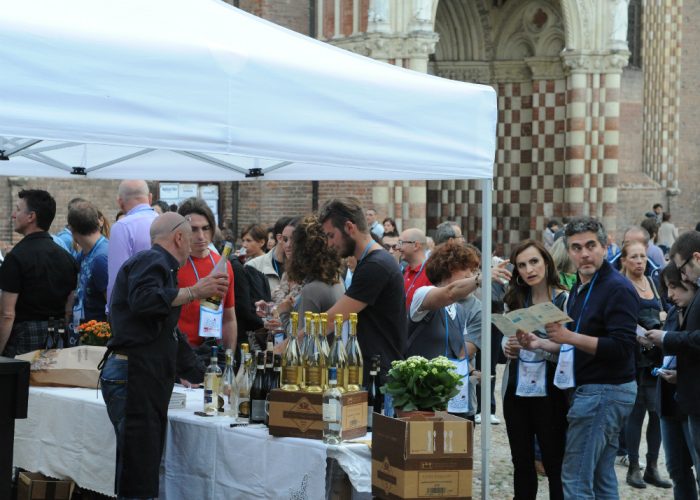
(529, 319)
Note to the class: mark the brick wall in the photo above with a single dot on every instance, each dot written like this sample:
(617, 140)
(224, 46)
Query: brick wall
(102, 193)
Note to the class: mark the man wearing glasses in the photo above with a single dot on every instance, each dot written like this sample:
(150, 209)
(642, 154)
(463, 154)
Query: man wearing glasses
(685, 345)
(412, 247)
(391, 245)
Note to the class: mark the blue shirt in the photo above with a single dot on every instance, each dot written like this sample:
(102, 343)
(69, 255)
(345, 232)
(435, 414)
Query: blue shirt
(92, 281)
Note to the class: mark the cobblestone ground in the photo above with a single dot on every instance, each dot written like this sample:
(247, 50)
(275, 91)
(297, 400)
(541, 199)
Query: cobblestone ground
(501, 468)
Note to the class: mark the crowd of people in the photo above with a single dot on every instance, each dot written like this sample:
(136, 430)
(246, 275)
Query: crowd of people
(575, 395)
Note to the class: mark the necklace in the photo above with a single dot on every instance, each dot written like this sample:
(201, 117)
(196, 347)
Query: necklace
(641, 288)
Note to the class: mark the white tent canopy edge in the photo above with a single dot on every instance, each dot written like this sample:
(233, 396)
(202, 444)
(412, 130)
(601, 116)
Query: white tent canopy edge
(203, 77)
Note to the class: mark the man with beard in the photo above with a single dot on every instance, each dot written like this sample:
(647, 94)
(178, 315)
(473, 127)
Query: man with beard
(376, 293)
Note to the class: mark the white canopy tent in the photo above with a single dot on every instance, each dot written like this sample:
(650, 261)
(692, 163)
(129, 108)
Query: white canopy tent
(199, 90)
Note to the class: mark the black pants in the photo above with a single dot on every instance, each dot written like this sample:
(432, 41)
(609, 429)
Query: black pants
(545, 418)
(633, 429)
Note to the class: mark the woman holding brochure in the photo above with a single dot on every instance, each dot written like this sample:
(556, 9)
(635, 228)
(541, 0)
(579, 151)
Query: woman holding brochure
(532, 405)
(633, 258)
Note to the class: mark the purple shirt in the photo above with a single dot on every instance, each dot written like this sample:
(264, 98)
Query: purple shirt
(129, 236)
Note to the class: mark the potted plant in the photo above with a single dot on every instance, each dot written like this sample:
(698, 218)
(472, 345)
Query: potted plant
(95, 333)
(420, 384)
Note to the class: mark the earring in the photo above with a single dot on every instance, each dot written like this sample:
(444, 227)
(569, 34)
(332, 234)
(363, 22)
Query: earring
(521, 282)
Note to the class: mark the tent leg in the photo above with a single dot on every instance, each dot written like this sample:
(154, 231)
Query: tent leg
(486, 235)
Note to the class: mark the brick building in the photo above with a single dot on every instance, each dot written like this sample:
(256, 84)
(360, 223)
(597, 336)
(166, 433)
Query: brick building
(594, 117)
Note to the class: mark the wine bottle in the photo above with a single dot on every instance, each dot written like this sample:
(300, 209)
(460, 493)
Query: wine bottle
(338, 358)
(323, 335)
(214, 301)
(257, 392)
(332, 411)
(244, 383)
(212, 378)
(269, 373)
(314, 360)
(291, 361)
(379, 400)
(228, 388)
(354, 354)
(374, 396)
(276, 372)
(321, 339)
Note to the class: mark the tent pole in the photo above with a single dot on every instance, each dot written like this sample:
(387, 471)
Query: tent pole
(486, 234)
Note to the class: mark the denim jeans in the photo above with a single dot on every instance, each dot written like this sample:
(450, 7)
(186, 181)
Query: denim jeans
(596, 416)
(680, 457)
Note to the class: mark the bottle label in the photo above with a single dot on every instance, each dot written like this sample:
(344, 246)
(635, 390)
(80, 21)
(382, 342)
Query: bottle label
(313, 375)
(208, 396)
(291, 375)
(331, 411)
(353, 375)
(340, 376)
(257, 413)
(244, 407)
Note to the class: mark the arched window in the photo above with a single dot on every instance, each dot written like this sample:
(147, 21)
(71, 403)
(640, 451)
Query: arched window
(634, 33)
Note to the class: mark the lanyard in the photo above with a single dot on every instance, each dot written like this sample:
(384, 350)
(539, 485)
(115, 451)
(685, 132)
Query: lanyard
(276, 266)
(364, 252)
(413, 282)
(585, 302)
(447, 331)
(196, 274)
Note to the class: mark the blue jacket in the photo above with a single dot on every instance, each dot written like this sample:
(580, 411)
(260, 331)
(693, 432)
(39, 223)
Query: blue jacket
(611, 315)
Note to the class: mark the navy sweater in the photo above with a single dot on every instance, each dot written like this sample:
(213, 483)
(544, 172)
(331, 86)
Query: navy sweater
(611, 315)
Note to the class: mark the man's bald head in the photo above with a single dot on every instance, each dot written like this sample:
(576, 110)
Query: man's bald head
(412, 247)
(133, 192)
(166, 225)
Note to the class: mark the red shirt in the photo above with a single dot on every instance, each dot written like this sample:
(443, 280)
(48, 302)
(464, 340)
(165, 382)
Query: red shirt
(413, 279)
(189, 315)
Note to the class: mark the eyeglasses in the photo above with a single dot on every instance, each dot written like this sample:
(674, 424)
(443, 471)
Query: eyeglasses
(387, 246)
(178, 225)
(402, 242)
(680, 268)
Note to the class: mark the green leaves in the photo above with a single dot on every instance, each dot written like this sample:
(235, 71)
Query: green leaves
(419, 384)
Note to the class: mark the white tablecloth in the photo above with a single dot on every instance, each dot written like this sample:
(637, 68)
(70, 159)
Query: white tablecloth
(68, 435)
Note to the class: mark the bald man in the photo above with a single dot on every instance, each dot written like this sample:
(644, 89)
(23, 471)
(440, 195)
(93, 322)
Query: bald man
(412, 246)
(146, 350)
(129, 234)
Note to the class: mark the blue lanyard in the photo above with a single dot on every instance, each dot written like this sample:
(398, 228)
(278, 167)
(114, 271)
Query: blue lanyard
(416, 277)
(670, 362)
(585, 302)
(447, 332)
(196, 274)
(364, 252)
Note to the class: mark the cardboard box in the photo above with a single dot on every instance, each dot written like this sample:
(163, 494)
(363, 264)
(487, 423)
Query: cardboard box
(36, 486)
(422, 457)
(300, 414)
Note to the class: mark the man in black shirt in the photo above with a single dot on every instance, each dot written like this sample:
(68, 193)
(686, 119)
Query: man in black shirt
(140, 367)
(37, 277)
(376, 292)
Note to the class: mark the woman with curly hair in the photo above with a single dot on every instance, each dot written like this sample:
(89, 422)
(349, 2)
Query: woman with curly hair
(445, 319)
(316, 267)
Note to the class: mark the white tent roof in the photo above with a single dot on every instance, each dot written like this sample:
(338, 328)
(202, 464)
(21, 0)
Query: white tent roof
(170, 80)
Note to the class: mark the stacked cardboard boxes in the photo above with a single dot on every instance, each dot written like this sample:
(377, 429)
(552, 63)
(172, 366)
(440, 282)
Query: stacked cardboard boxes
(421, 457)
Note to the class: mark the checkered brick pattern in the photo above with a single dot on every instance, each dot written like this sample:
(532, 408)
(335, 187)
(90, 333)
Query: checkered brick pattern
(592, 140)
(661, 55)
